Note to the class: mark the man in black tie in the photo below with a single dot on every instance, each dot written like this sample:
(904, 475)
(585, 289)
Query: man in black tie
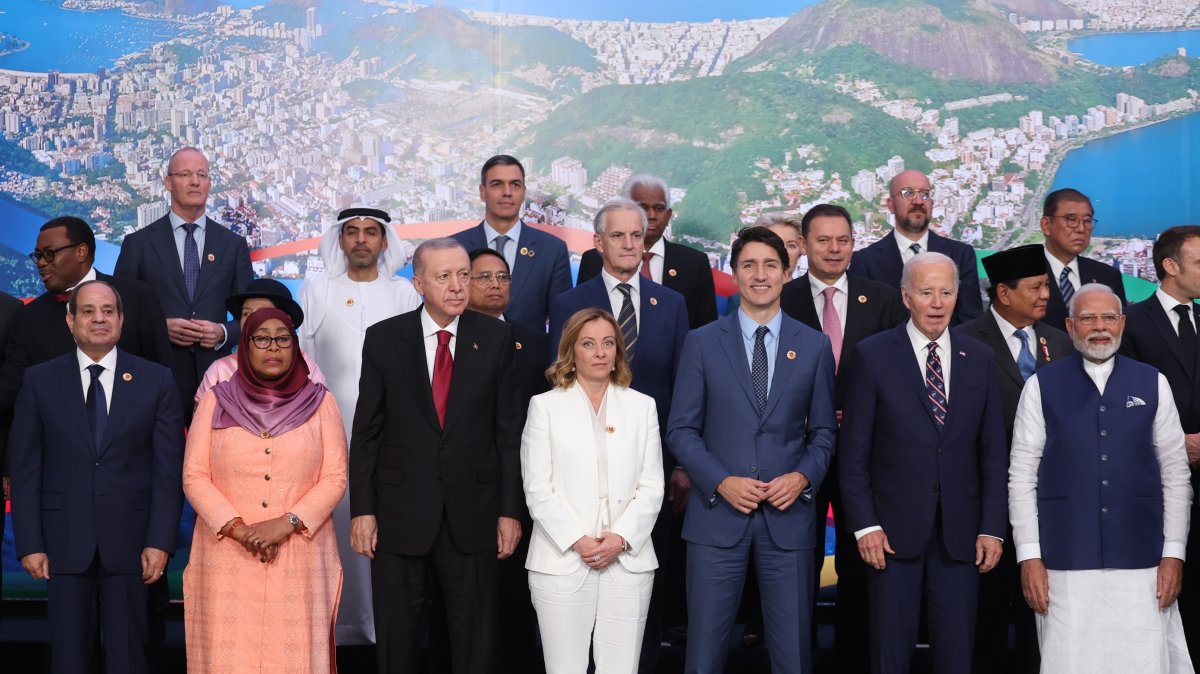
(1067, 222)
(1022, 343)
(1161, 331)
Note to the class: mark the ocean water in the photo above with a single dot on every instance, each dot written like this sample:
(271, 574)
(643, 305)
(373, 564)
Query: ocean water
(1134, 49)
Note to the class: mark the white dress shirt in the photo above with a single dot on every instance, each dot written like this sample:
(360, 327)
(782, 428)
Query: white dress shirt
(1029, 442)
(840, 298)
(1169, 303)
(1008, 330)
(510, 247)
(658, 261)
(108, 362)
(1056, 268)
(616, 298)
(429, 330)
(905, 244)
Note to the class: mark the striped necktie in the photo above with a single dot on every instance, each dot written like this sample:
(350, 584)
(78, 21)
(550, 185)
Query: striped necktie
(935, 386)
(627, 319)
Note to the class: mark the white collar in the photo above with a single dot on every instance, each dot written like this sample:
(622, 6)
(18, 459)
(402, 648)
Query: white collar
(818, 286)
(610, 282)
(108, 361)
(903, 243)
(429, 327)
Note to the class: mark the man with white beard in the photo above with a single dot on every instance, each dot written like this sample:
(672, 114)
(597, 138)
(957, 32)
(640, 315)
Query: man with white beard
(1099, 499)
(359, 288)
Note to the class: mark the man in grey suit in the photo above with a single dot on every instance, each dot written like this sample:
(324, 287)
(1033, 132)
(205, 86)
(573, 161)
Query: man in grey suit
(193, 263)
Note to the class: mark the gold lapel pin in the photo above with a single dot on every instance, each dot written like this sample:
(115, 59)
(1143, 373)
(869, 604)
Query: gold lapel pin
(127, 377)
(672, 272)
(610, 429)
(653, 301)
(474, 346)
(862, 299)
(1041, 340)
(349, 301)
(518, 345)
(212, 258)
(791, 355)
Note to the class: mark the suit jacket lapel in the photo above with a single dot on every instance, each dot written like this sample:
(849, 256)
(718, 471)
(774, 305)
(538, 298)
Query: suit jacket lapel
(1042, 355)
(163, 241)
(215, 248)
(807, 306)
(522, 267)
(410, 352)
(958, 363)
(673, 281)
(468, 359)
(890, 259)
(71, 383)
(122, 399)
(731, 341)
(857, 314)
(999, 344)
(1162, 323)
(784, 366)
(906, 358)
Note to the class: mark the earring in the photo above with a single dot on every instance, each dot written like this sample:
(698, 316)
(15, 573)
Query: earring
(572, 368)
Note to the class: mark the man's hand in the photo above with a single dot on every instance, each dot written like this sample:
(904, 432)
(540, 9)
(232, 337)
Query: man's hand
(508, 534)
(184, 332)
(874, 548)
(678, 489)
(1192, 443)
(783, 491)
(1170, 581)
(213, 333)
(364, 535)
(1035, 585)
(154, 562)
(37, 565)
(743, 493)
(987, 552)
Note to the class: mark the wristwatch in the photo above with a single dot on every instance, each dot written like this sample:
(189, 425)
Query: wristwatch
(293, 520)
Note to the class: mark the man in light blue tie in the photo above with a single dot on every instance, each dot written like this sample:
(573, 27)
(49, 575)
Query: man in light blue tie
(1067, 221)
(1022, 343)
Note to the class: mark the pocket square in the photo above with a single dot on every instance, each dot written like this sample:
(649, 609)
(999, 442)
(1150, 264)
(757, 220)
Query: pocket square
(1134, 401)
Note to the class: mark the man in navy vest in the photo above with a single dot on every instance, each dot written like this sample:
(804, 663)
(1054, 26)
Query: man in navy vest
(1099, 499)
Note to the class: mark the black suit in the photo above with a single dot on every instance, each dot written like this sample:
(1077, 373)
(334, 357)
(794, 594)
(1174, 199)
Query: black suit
(871, 307)
(8, 309)
(1151, 338)
(1000, 597)
(685, 270)
(881, 262)
(436, 492)
(150, 255)
(1090, 271)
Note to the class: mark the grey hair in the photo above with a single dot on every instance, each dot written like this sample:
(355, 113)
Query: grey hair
(600, 222)
(73, 306)
(430, 245)
(1088, 289)
(925, 259)
(649, 181)
(769, 220)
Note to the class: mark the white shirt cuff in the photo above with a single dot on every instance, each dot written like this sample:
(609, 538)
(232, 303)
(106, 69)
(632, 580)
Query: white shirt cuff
(863, 532)
(990, 536)
(223, 339)
(1175, 549)
(1029, 551)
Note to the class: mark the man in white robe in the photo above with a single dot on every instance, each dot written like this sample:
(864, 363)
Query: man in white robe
(359, 288)
(1099, 498)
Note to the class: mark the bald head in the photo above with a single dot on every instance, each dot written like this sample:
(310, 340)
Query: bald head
(910, 199)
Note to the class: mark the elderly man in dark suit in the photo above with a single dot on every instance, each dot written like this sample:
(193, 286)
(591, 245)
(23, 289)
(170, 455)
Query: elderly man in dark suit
(1161, 331)
(541, 269)
(922, 463)
(97, 454)
(435, 476)
(848, 309)
(1022, 343)
(910, 199)
(676, 266)
(1067, 221)
(193, 262)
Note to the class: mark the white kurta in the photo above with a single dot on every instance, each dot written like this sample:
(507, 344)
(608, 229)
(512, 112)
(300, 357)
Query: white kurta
(1104, 620)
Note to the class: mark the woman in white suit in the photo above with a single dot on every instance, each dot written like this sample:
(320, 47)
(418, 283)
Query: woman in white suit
(592, 466)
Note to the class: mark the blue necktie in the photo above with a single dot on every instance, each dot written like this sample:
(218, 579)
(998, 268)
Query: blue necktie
(758, 368)
(1065, 287)
(935, 386)
(628, 321)
(97, 409)
(1025, 362)
(191, 259)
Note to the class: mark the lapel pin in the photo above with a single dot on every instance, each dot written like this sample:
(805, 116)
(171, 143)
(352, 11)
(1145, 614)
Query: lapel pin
(611, 429)
(862, 299)
(518, 345)
(963, 354)
(1041, 340)
(1045, 351)
(474, 346)
(653, 301)
(349, 301)
(127, 377)
(672, 272)
(212, 258)
(791, 355)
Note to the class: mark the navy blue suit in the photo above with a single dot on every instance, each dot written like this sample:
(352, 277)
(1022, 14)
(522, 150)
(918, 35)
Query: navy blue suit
(542, 272)
(1090, 271)
(92, 510)
(716, 432)
(932, 492)
(881, 262)
(150, 255)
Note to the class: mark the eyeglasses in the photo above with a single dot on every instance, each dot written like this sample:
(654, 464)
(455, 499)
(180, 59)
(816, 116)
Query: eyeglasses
(1088, 320)
(1074, 221)
(908, 193)
(188, 175)
(484, 279)
(48, 254)
(264, 342)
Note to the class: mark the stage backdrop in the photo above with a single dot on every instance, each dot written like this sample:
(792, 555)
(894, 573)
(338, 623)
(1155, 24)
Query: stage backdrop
(305, 107)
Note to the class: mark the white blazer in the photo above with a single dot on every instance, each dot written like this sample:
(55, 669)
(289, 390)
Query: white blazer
(558, 465)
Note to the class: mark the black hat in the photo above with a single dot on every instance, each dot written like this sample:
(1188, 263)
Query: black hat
(267, 288)
(373, 213)
(1015, 264)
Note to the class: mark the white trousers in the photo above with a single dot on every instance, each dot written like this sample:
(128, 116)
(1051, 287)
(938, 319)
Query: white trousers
(605, 610)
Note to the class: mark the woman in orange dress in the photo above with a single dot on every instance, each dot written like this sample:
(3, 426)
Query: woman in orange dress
(264, 467)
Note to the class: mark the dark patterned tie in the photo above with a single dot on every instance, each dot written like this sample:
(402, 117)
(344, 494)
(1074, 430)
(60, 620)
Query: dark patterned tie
(97, 408)
(191, 259)
(1187, 335)
(1025, 362)
(916, 249)
(758, 368)
(628, 321)
(1065, 287)
(935, 386)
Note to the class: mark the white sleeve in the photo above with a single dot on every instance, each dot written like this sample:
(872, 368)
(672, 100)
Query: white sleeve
(1028, 443)
(1173, 467)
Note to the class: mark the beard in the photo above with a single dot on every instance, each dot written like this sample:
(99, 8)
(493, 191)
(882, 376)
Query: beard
(1095, 352)
(912, 226)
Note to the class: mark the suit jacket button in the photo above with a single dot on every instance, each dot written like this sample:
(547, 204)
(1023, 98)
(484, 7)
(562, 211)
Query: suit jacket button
(97, 464)
(264, 504)
(753, 469)
(267, 478)
(268, 450)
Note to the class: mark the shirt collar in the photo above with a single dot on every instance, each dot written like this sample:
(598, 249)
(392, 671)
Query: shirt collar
(109, 361)
(1006, 329)
(920, 341)
(1099, 372)
(903, 243)
(1168, 303)
(1056, 268)
(749, 325)
(429, 327)
(818, 286)
(660, 247)
(89, 276)
(490, 233)
(177, 222)
(610, 282)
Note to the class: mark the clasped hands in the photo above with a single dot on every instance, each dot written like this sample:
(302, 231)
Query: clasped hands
(598, 553)
(263, 538)
(185, 332)
(746, 493)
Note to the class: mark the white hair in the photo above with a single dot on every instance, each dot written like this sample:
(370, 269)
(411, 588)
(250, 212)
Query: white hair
(429, 245)
(646, 180)
(600, 222)
(926, 259)
(1090, 288)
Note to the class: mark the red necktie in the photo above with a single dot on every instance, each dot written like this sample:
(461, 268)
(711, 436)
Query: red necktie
(646, 257)
(443, 369)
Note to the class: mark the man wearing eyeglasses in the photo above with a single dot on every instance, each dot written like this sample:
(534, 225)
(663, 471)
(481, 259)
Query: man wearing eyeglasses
(193, 263)
(1099, 501)
(1067, 222)
(910, 199)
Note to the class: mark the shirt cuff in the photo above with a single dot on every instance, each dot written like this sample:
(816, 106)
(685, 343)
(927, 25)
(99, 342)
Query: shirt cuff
(990, 536)
(1174, 549)
(223, 339)
(863, 532)
(1029, 551)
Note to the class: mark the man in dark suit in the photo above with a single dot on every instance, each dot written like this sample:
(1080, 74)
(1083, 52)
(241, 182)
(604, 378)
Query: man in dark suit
(9, 306)
(1022, 343)
(753, 421)
(97, 458)
(435, 476)
(193, 263)
(1067, 223)
(1161, 331)
(848, 309)
(923, 469)
(910, 199)
(541, 268)
(680, 268)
